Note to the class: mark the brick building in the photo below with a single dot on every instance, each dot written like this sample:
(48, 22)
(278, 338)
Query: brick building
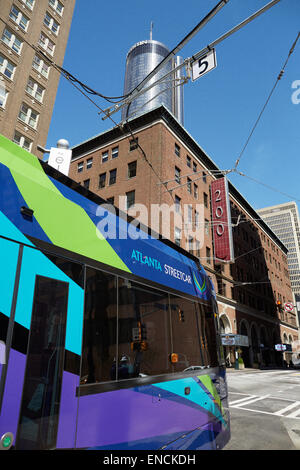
(153, 161)
(29, 83)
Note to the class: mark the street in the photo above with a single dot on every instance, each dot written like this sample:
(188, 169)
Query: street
(264, 409)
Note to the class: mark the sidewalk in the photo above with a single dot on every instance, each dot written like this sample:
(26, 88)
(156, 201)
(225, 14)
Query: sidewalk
(255, 369)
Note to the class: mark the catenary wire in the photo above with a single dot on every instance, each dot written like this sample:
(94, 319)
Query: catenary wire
(267, 101)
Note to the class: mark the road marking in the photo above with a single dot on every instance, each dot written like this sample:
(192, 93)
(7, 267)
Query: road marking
(287, 408)
(245, 399)
(251, 401)
(294, 415)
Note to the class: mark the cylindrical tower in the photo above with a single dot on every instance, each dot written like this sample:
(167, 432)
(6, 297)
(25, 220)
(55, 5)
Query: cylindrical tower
(142, 58)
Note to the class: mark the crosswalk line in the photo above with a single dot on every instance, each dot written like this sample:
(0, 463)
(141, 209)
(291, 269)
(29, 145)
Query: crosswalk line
(287, 408)
(295, 414)
(242, 399)
(251, 401)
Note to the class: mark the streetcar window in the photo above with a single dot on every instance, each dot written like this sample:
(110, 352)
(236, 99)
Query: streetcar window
(185, 333)
(208, 334)
(99, 333)
(144, 333)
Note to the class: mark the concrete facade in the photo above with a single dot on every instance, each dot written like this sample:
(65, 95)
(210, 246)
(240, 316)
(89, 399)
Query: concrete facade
(30, 82)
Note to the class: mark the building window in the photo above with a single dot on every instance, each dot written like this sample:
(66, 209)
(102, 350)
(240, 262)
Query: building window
(189, 185)
(197, 248)
(206, 225)
(190, 215)
(22, 141)
(177, 175)
(12, 41)
(112, 176)
(115, 152)
(205, 199)
(57, 6)
(51, 23)
(40, 66)
(177, 203)
(194, 167)
(29, 3)
(104, 156)
(79, 167)
(177, 236)
(17, 16)
(89, 163)
(191, 241)
(130, 199)
(35, 90)
(28, 116)
(6, 67)
(204, 177)
(102, 180)
(46, 44)
(3, 96)
(133, 144)
(177, 150)
(131, 170)
(196, 219)
(208, 255)
(188, 161)
(110, 200)
(195, 191)
(86, 184)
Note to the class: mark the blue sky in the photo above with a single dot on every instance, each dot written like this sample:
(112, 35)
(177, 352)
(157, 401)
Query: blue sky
(222, 106)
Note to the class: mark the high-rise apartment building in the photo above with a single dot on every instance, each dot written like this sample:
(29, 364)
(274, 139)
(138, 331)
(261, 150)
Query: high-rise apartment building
(28, 82)
(284, 220)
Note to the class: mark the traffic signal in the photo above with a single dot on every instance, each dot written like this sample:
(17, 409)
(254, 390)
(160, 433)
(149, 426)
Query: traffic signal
(181, 315)
(279, 305)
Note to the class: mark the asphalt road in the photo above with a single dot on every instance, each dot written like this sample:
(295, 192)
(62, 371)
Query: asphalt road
(264, 409)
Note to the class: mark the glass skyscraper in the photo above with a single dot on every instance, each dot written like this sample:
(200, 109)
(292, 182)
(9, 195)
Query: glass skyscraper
(142, 58)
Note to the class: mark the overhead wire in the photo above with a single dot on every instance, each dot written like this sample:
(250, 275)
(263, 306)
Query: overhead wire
(267, 101)
(74, 82)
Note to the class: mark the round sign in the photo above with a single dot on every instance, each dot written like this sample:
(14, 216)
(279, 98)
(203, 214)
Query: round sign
(6, 441)
(288, 307)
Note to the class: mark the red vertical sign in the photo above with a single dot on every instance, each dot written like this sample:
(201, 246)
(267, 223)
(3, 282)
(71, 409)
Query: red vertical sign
(221, 220)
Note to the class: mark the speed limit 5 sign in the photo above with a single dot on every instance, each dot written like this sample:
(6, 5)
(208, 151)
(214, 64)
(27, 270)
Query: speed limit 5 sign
(205, 64)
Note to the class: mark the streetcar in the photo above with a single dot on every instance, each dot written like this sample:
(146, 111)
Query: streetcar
(108, 341)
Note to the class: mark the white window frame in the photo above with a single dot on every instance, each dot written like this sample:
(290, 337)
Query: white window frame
(52, 21)
(104, 156)
(34, 89)
(115, 152)
(11, 41)
(28, 115)
(177, 236)
(4, 67)
(54, 4)
(39, 69)
(2, 106)
(80, 167)
(45, 45)
(89, 163)
(22, 140)
(19, 17)
(29, 3)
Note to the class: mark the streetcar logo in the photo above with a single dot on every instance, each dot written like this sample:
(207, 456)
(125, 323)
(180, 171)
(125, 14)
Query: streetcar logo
(201, 288)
